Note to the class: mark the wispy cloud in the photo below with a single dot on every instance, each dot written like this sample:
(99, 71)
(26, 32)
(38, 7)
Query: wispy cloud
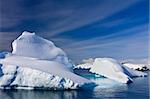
(115, 45)
(58, 16)
(97, 28)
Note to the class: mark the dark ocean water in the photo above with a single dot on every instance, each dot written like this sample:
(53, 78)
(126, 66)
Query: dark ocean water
(139, 89)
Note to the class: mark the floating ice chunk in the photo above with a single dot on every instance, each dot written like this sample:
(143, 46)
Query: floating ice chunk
(110, 68)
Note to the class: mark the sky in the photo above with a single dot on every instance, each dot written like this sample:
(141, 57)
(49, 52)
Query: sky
(82, 28)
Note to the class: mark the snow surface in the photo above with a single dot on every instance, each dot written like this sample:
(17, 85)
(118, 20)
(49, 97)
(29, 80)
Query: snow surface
(51, 67)
(84, 66)
(37, 63)
(111, 69)
(87, 63)
(134, 66)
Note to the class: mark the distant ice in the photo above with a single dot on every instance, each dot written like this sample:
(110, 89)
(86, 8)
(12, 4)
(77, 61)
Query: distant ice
(111, 69)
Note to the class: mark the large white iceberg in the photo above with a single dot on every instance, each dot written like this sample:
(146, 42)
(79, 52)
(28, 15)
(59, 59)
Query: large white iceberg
(37, 63)
(111, 69)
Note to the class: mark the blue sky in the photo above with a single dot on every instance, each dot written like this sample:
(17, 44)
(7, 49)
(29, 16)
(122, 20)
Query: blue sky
(83, 28)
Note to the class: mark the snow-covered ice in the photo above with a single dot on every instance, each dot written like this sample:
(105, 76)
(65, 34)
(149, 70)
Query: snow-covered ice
(87, 63)
(111, 69)
(84, 66)
(136, 66)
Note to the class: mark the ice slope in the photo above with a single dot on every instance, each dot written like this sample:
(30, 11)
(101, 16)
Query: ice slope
(111, 69)
(51, 67)
(37, 63)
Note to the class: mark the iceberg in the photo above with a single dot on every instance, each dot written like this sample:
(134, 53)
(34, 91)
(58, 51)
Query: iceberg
(111, 69)
(36, 63)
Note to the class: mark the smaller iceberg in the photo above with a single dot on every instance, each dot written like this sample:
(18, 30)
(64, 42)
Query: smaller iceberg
(111, 69)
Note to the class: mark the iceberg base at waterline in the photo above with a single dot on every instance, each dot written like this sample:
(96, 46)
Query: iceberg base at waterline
(15, 77)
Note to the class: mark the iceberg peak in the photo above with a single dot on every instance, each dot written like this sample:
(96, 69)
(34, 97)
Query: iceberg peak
(28, 33)
(31, 45)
